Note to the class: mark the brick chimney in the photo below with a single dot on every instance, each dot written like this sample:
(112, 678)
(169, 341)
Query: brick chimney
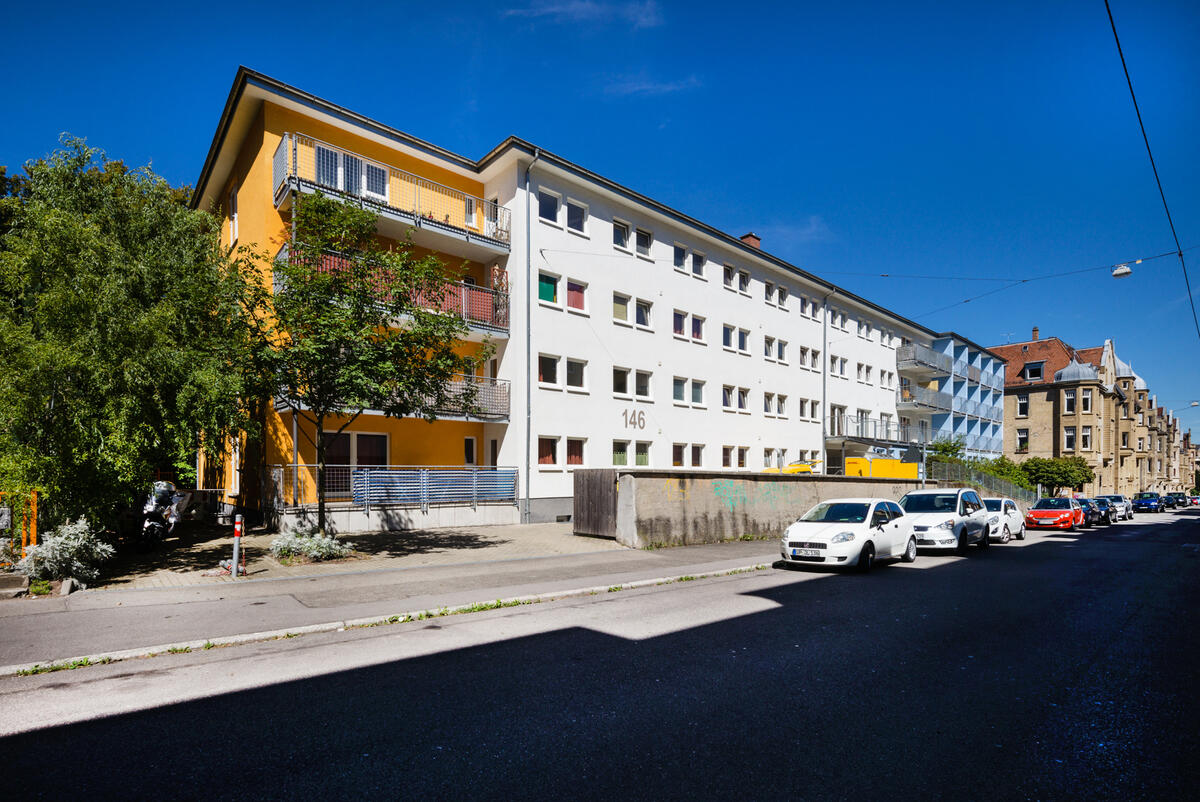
(752, 240)
(1035, 333)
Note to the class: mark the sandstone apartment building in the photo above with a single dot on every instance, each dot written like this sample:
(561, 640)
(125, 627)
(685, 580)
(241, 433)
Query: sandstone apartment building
(1060, 401)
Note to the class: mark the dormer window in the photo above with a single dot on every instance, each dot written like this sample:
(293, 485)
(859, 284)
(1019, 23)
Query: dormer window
(1033, 371)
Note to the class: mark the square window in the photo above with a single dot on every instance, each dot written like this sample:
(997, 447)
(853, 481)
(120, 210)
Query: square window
(576, 217)
(641, 386)
(726, 456)
(548, 206)
(642, 453)
(643, 313)
(576, 295)
(547, 369)
(574, 451)
(621, 234)
(1033, 371)
(697, 456)
(679, 323)
(744, 282)
(548, 288)
(698, 264)
(620, 450)
(547, 451)
(679, 389)
(697, 392)
(620, 381)
(680, 257)
(644, 239)
(575, 373)
(728, 276)
(620, 307)
(697, 328)
(677, 452)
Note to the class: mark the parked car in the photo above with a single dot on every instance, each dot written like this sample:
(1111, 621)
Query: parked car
(1168, 503)
(1178, 499)
(850, 532)
(1194, 501)
(1008, 523)
(947, 518)
(1121, 505)
(1091, 514)
(1108, 513)
(1147, 502)
(1055, 513)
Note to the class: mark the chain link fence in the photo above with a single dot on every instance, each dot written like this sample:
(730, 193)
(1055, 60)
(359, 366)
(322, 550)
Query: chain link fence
(954, 473)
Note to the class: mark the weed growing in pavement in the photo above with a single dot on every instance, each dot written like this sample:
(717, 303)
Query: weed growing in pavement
(209, 645)
(51, 667)
(179, 650)
(39, 587)
(615, 588)
(686, 578)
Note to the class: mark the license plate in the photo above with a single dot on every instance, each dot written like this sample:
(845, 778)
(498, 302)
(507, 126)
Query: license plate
(806, 552)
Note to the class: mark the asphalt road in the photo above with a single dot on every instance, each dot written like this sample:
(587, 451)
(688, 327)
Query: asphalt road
(1063, 667)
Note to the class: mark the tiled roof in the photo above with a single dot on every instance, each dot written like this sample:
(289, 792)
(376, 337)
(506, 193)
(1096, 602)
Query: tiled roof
(1091, 356)
(1055, 353)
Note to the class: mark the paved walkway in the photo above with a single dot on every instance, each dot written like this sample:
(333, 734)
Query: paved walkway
(185, 560)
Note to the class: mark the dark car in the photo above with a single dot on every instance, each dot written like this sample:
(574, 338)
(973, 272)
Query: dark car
(1147, 502)
(1178, 499)
(1091, 513)
(1108, 513)
(1168, 503)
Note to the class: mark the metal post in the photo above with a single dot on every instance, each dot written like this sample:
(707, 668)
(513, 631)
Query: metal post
(237, 543)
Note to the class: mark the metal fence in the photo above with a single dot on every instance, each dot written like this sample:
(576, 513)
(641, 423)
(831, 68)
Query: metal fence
(911, 396)
(335, 169)
(955, 473)
(367, 486)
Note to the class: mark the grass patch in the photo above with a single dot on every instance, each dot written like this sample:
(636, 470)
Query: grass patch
(67, 666)
(209, 645)
(615, 589)
(179, 650)
(39, 587)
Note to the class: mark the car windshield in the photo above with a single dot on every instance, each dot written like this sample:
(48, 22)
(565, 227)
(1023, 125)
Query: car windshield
(1146, 495)
(841, 512)
(993, 504)
(1101, 502)
(1053, 504)
(930, 502)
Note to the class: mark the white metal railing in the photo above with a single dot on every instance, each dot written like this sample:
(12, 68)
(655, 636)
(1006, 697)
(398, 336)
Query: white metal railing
(310, 161)
(882, 429)
(910, 396)
(920, 355)
(365, 486)
(492, 397)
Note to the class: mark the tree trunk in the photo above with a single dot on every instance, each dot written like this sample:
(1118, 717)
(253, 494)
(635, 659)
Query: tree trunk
(320, 441)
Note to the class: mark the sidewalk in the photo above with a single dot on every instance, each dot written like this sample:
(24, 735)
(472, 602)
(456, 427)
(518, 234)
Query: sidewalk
(488, 564)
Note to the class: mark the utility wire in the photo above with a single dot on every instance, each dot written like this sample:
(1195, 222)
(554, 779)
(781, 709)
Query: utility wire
(1153, 167)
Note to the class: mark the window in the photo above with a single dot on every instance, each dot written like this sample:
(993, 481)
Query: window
(620, 381)
(1085, 438)
(781, 406)
(769, 347)
(641, 453)
(641, 385)
(620, 450)
(743, 454)
(768, 403)
(548, 206)
(576, 219)
(726, 456)
(744, 282)
(727, 396)
(644, 240)
(1086, 401)
(468, 451)
(697, 392)
(860, 371)
(548, 451)
(547, 288)
(781, 298)
(680, 259)
(468, 203)
(1023, 405)
(727, 336)
(1141, 444)
(1033, 371)
(769, 292)
(728, 276)
(547, 369)
(816, 310)
(233, 217)
(743, 396)
(697, 455)
(1069, 438)
(643, 314)
(802, 407)
(781, 351)
(803, 356)
(1069, 401)
(1022, 440)
(575, 372)
(1124, 439)
(621, 234)
(574, 451)
(576, 295)
(621, 307)
(768, 457)
(679, 389)
(697, 328)
(677, 452)
(679, 323)
(867, 371)
(698, 261)
(743, 341)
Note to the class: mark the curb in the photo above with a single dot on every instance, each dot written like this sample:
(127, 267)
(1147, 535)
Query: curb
(100, 658)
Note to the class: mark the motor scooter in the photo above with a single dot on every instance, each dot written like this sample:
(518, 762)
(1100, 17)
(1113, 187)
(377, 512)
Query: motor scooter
(161, 513)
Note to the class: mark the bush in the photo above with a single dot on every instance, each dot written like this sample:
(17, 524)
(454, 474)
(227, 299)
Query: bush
(71, 550)
(310, 544)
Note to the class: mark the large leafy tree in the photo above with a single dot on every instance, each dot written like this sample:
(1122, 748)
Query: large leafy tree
(125, 331)
(356, 328)
(1057, 473)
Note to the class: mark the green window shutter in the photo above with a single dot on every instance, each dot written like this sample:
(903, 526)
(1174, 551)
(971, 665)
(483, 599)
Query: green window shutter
(547, 289)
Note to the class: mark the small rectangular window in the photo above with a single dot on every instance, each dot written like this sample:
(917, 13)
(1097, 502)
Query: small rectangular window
(620, 381)
(781, 351)
(742, 454)
(768, 403)
(620, 307)
(698, 264)
(574, 451)
(575, 373)
(576, 216)
(726, 456)
(781, 298)
(781, 406)
(643, 313)
(576, 291)
(1085, 438)
(727, 397)
(644, 240)
(641, 387)
(677, 452)
(769, 291)
(743, 397)
(727, 336)
(548, 206)
(679, 323)
(680, 257)
(547, 369)
(1069, 438)
(620, 450)
(642, 453)
(547, 451)
(620, 234)
(744, 341)
(679, 389)
(1069, 401)
(1022, 406)
(697, 455)
(547, 288)
(697, 328)
(744, 282)
(769, 347)
(728, 276)
(697, 392)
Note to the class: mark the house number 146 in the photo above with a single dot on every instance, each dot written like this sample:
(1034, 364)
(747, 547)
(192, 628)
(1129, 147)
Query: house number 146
(634, 419)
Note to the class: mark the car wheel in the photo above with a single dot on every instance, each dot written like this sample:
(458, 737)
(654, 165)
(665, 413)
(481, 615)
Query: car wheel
(985, 541)
(1021, 533)
(961, 548)
(866, 558)
(910, 553)
(1006, 535)
(1071, 528)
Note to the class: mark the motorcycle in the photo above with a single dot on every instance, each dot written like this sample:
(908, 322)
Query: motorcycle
(161, 513)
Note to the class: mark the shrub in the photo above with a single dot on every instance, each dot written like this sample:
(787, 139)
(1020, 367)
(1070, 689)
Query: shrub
(71, 550)
(310, 544)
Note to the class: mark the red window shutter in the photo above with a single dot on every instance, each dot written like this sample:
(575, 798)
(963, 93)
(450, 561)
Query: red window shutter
(574, 295)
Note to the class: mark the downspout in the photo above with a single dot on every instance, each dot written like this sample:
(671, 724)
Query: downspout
(825, 412)
(528, 339)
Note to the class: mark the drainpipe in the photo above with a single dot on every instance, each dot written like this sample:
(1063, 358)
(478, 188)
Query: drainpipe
(528, 339)
(825, 412)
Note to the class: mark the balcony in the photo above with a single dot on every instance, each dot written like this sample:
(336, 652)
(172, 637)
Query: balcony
(492, 398)
(437, 216)
(881, 430)
(909, 397)
(923, 360)
(974, 374)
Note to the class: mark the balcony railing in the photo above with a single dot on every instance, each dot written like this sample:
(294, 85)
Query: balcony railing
(492, 397)
(319, 165)
(974, 374)
(909, 356)
(908, 396)
(882, 429)
(365, 486)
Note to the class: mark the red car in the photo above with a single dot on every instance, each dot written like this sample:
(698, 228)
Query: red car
(1055, 513)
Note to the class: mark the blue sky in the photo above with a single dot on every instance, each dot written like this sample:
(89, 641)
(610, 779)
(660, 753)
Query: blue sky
(953, 140)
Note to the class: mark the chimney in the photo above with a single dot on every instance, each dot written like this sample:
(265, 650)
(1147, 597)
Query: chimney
(752, 240)
(1035, 333)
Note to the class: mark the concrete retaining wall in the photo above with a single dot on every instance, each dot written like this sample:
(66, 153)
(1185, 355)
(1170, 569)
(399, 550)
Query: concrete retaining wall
(674, 508)
(382, 519)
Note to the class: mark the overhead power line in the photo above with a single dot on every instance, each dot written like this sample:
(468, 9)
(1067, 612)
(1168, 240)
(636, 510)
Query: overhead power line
(1186, 282)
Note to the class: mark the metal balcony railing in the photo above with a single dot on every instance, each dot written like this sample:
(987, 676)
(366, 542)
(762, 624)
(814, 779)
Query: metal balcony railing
(909, 356)
(908, 396)
(365, 486)
(882, 429)
(309, 161)
(974, 374)
(492, 397)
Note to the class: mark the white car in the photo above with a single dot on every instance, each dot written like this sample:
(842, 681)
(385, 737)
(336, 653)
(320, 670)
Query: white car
(850, 532)
(1005, 519)
(947, 518)
(1122, 505)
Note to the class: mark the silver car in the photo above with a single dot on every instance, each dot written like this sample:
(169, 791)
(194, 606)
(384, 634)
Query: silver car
(1121, 504)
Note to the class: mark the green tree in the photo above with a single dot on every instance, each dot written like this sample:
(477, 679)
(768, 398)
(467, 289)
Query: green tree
(1004, 468)
(124, 330)
(354, 331)
(1057, 473)
(946, 449)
